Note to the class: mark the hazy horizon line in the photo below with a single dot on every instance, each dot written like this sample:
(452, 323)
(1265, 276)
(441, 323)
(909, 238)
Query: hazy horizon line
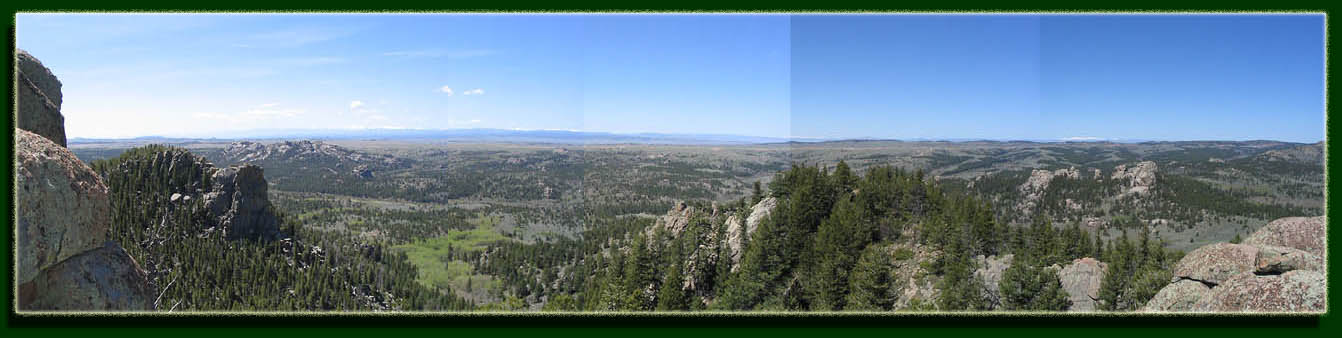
(282, 133)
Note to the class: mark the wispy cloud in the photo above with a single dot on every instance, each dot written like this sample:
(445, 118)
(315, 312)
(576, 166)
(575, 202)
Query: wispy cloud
(309, 61)
(476, 91)
(1082, 138)
(446, 90)
(294, 37)
(355, 105)
(438, 53)
(264, 112)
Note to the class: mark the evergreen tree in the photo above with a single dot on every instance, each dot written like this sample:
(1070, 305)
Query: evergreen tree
(871, 286)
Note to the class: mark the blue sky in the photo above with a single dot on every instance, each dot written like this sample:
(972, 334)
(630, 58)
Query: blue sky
(894, 76)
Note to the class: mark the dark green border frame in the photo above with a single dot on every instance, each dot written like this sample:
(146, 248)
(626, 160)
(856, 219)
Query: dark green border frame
(665, 324)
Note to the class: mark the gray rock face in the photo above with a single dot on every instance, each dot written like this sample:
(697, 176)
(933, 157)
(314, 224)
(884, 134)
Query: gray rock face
(990, 272)
(1081, 280)
(63, 208)
(1304, 233)
(39, 99)
(1217, 262)
(102, 279)
(738, 233)
(1274, 271)
(239, 202)
(758, 212)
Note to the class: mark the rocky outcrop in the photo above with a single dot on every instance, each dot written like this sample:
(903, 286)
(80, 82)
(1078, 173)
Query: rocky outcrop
(1214, 264)
(65, 261)
(1081, 279)
(1275, 271)
(759, 212)
(737, 233)
(63, 208)
(1034, 187)
(1140, 177)
(990, 272)
(39, 94)
(240, 203)
(312, 152)
(105, 278)
(1304, 233)
(916, 287)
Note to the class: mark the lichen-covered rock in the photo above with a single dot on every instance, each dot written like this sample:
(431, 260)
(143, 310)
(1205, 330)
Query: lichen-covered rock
(1272, 271)
(1217, 262)
(63, 208)
(1304, 233)
(1294, 291)
(102, 279)
(1273, 260)
(1081, 280)
(1183, 295)
(39, 99)
(239, 202)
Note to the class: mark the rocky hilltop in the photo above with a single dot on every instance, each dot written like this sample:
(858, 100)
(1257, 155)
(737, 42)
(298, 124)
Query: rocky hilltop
(1279, 268)
(65, 260)
(313, 155)
(233, 200)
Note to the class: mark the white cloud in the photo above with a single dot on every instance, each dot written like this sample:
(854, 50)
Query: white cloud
(437, 53)
(476, 91)
(265, 112)
(475, 121)
(309, 61)
(446, 89)
(355, 105)
(1082, 138)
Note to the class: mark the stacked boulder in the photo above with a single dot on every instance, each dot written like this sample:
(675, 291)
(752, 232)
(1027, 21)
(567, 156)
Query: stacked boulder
(1279, 268)
(65, 261)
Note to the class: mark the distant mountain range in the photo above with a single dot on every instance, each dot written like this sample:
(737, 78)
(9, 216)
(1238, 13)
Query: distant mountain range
(536, 136)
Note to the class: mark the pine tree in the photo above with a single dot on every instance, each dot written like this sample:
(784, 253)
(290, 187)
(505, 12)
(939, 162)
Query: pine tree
(871, 282)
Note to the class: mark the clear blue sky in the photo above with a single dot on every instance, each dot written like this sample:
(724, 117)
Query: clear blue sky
(1170, 77)
(900, 76)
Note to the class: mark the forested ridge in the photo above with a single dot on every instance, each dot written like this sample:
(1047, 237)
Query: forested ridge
(836, 240)
(195, 268)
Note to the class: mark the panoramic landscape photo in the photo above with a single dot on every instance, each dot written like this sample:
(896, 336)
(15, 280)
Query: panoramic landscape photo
(1097, 163)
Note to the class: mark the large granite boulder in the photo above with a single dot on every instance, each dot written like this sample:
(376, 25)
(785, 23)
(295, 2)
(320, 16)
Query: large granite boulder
(1304, 233)
(1217, 262)
(106, 278)
(39, 99)
(63, 208)
(1278, 269)
(240, 204)
(1081, 280)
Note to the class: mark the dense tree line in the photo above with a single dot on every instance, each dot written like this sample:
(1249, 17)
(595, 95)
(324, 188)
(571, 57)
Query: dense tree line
(194, 268)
